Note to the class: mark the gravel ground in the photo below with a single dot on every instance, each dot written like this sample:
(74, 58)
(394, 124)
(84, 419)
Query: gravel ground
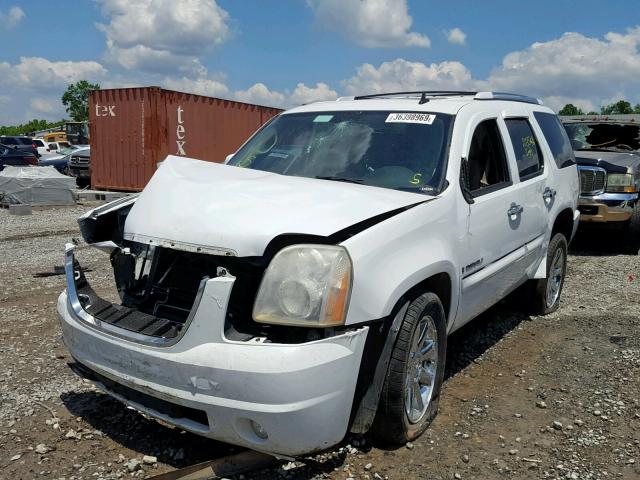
(551, 397)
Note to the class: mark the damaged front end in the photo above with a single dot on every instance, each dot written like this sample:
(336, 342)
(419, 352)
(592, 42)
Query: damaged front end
(160, 282)
(181, 344)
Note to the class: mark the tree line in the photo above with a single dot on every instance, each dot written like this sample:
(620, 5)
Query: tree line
(621, 107)
(76, 101)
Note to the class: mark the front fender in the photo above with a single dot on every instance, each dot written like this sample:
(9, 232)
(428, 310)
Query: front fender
(392, 257)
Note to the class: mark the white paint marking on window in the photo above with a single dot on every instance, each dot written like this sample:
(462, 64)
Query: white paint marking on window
(411, 117)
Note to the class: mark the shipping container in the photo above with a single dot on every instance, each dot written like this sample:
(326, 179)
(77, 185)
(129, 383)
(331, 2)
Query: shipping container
(133, 129)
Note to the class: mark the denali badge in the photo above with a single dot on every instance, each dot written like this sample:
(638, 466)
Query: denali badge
(472, 266)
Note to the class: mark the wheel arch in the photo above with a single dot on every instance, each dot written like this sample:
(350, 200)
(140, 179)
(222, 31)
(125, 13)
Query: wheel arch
(439, 284)
(380, 345)
(563, 224)
(439, 277)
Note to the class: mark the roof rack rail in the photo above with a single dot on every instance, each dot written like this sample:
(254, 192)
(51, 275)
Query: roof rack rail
(420, 93)
(513, 97)
(425, 94)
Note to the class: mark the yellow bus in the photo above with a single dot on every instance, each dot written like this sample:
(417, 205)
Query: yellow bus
(55, 137)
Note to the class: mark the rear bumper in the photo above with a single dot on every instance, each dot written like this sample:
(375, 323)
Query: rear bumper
(607, 207)
(300, 394)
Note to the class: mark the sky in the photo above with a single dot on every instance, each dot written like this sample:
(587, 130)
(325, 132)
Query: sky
(287, 52)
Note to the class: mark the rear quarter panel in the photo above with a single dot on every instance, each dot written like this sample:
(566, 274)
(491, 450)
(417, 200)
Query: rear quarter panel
(564, 181)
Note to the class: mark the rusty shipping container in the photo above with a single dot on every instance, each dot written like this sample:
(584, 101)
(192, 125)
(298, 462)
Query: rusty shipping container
(132, 129)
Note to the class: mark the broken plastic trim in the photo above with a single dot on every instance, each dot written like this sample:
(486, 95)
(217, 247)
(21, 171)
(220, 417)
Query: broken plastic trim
(74, 301)
(106, 223)
(144, 402)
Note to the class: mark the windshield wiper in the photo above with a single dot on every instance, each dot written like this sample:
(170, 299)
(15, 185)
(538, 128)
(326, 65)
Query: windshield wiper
(340, 179)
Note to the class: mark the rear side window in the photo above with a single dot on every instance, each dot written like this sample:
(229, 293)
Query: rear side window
(557, 139)
(38, 143)
(9, 141)
(528, 155)
(24, 141)
(487, 163)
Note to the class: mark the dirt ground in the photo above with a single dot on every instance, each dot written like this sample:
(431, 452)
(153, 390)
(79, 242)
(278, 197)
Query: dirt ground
(525, 397)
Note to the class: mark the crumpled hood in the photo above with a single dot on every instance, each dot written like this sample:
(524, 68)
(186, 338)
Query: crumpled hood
(621, 159)
(221, 207)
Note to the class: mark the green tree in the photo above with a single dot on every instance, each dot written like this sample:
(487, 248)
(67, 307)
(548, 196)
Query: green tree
(570, 109)
(621, 107)
(636, 109)
(29, 127)
(76, 99)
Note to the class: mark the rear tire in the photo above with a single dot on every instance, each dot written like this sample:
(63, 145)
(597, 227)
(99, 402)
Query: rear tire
(411, 390)
(544, 293)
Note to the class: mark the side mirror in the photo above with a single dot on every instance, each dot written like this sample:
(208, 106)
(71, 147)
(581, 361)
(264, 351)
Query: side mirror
(229, 157)
(464, 181)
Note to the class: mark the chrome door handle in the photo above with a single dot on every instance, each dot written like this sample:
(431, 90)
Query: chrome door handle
(514, 210)
(548, 194)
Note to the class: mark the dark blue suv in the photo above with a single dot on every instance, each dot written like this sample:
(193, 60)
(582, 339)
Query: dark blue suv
(24, 144)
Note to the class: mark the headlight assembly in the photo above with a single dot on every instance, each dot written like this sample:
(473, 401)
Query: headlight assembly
(621, 183)
(305, 285)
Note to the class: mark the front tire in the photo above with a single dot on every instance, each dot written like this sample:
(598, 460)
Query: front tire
(632, 231)
(546, 292)
(411, 390)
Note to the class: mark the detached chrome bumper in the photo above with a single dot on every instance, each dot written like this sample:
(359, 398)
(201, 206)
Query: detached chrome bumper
(607, 207)
(298, 395)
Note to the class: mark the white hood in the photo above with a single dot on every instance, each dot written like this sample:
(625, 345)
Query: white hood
(240, 210)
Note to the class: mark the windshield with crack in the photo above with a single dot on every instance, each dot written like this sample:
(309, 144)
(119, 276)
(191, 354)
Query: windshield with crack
(399, 150)
(588, 136)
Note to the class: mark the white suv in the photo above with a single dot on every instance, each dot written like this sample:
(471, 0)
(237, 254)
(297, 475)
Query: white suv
(306, 288)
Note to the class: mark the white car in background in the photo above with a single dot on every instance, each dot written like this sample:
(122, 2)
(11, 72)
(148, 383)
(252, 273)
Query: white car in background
(307, 287)
(41, 146)
(51, 148)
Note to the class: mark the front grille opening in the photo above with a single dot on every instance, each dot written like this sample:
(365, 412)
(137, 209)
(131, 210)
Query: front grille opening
(158, 281)
(164, 282)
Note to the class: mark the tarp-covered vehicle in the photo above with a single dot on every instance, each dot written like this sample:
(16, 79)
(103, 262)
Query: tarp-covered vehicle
(36, 186)
(307, 287)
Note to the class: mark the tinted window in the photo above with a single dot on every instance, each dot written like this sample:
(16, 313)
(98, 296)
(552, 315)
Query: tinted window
(53, 146)
(398, 150)
(38, 143)
(557, 138)
(487, 167)
(528, 155)
(25, 141)
(9, 141)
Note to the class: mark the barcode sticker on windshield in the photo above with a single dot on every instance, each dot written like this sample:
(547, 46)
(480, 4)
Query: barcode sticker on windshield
(424, 118)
